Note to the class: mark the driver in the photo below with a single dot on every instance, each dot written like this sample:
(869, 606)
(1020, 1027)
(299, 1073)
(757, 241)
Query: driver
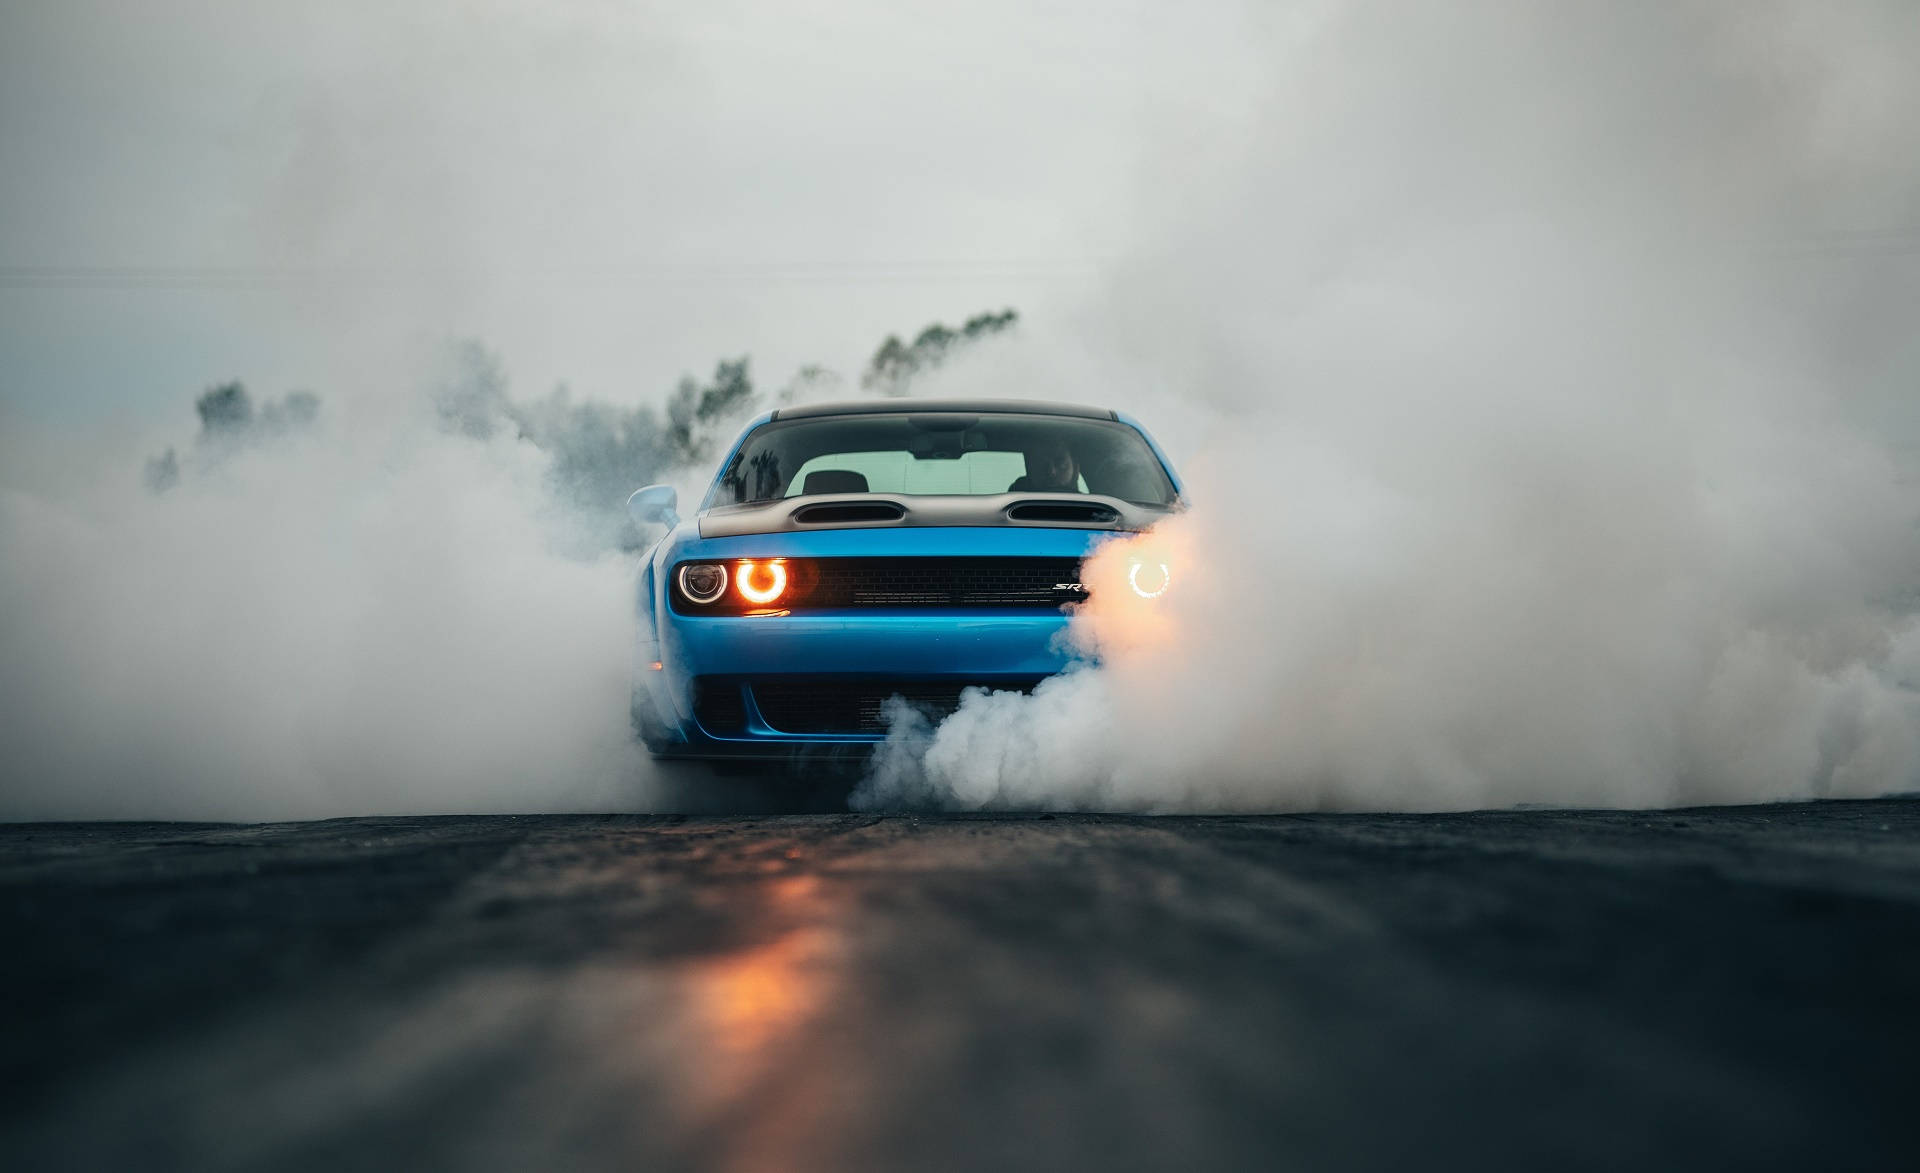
(1051, 468)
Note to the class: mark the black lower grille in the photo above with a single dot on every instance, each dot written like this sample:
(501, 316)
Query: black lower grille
(718, 706)
(859, 706)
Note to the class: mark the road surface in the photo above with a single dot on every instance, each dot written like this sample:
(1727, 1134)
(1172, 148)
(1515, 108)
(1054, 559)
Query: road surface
(1531, 989)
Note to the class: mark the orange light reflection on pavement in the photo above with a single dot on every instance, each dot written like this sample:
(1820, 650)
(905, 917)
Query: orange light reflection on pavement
(753, 1019)
(747, 1003)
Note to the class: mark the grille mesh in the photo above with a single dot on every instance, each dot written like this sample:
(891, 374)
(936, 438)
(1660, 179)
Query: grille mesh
(858, 706)
(718, 706)
(942, 582)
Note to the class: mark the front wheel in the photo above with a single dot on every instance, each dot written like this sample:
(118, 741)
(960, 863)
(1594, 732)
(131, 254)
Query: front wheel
(648, 727)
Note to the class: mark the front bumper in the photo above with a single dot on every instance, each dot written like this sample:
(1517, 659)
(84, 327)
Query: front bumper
(996, 648)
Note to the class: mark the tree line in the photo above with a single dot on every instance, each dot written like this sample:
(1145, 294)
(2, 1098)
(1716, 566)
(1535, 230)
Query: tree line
(599, 452)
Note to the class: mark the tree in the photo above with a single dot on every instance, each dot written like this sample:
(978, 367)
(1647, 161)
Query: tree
(163, 472)
(472, 399)
(895, 365)
(224, 409)
(694, 410)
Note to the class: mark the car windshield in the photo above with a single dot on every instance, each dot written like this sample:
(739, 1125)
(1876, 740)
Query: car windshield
(943, 453)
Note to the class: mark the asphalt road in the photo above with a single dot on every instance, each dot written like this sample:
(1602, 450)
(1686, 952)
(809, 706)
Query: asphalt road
(1718, 988)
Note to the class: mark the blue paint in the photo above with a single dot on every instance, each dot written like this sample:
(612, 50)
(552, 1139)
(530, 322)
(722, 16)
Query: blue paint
(975, 645)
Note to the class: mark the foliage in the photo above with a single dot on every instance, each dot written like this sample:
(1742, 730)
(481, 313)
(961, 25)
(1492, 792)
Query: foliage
(229, 421)
(599, 452)
(895, 365)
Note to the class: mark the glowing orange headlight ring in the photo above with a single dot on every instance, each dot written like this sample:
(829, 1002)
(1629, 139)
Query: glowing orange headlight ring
(761, 583)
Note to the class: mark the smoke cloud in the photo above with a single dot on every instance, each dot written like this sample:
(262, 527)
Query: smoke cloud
(370, 616)
(1547, 424)
(418, 600)
(1543, 378)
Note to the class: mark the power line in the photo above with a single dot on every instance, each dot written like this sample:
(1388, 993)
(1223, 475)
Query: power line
(660, 273)
(1867, 243)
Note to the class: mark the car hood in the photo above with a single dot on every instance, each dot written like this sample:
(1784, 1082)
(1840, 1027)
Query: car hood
(1085, 511)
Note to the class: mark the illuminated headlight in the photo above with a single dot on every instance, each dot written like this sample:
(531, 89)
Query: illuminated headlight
(703, 582)
(1148, 579)
(761, 583)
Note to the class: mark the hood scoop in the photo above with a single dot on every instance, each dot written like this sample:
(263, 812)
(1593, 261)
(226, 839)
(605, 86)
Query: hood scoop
(1063, 512)
(848, 513)
(890, 512)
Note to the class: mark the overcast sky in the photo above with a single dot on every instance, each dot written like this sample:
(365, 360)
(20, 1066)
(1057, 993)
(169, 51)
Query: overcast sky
(614, 193)
(607, 193)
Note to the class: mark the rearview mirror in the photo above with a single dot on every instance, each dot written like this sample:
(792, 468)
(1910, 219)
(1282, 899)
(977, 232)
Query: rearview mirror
(654, 505)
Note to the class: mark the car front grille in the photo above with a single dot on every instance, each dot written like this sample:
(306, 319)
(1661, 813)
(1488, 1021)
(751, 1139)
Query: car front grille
(798, 705)
(941, 582)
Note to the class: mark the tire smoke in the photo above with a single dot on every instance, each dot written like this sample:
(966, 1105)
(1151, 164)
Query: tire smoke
(1549, 440)
(371, 617)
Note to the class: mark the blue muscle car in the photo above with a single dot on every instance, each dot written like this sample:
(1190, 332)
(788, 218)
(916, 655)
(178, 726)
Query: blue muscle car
(850, 553)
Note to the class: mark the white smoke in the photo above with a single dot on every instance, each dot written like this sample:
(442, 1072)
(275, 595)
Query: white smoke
(1541, 394)
(374, 617)
(1544, 378)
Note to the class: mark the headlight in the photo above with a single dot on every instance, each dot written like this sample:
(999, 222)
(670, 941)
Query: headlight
(703, 582)
(761, 583)
(1148, 579)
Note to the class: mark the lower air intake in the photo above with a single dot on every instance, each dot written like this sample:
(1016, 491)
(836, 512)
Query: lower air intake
(859, 706)
(718, 706)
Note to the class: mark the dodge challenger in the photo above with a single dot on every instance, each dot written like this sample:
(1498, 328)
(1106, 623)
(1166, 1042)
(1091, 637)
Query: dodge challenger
(847, 554)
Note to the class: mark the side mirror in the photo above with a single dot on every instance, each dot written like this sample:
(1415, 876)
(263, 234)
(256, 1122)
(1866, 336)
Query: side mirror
(654, 505)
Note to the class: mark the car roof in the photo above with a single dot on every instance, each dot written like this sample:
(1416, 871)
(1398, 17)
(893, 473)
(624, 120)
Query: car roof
(922, 406)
